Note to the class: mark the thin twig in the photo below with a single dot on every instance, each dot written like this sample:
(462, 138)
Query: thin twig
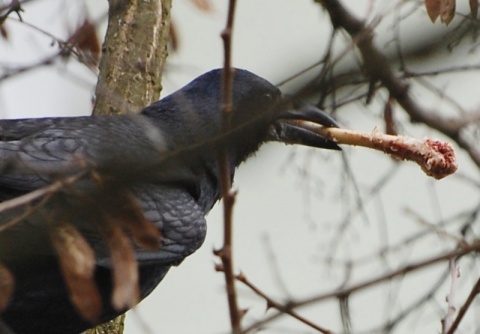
(463, 310)
(454, 274)
(281, 307)
(36, 194)
(13, 7)
(66, 47)
(225, 253)
(475, 247)
(400, 272)
(378, 67)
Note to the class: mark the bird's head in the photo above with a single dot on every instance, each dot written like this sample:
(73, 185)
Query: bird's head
(193, 116)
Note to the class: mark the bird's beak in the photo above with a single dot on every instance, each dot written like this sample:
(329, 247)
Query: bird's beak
(291, 127)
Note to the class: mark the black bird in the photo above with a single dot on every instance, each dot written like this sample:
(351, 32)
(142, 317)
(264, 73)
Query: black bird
(165, 157)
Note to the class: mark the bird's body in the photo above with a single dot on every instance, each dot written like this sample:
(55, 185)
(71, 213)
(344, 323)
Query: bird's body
(164, 158)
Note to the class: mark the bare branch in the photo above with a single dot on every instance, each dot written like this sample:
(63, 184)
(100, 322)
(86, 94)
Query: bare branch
(375, 281)
(225, 253)
(463, 310)
(282, 308)
(454, 274)
(37, 194)
(377, 65)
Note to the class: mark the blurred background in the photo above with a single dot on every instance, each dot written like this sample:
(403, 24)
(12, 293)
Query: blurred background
(306, 221)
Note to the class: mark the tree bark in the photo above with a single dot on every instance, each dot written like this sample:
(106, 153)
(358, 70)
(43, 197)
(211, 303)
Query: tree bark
(133, 56)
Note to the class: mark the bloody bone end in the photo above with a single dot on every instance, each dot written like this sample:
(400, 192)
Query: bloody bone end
(435, 157)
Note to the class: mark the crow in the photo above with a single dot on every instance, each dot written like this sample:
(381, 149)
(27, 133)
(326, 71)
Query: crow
(161, 163)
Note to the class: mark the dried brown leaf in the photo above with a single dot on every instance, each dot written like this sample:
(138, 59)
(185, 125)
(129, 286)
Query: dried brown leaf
(204, 5)
(447, 11)
(173, 40)
(126, 292)
(390, 125)
(433, 9)
(119, 205)
(77, 261)
(474, 8)
(7, 286)
(87, 43)
(3, 32)
(129, 213)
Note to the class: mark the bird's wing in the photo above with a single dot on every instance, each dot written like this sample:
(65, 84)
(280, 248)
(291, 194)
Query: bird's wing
(59, 146)
(33, 153)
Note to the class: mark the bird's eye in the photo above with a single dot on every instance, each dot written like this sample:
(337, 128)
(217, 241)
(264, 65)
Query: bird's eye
(269, 96)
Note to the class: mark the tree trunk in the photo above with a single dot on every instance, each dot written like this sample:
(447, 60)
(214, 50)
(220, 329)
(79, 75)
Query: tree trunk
(133, 56)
